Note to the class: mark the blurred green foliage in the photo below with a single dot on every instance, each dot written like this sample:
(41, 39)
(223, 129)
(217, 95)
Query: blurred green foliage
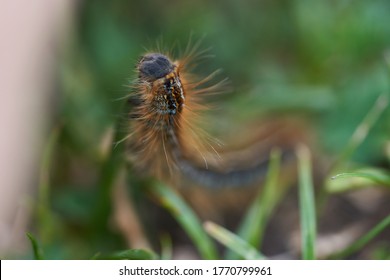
(323, 60)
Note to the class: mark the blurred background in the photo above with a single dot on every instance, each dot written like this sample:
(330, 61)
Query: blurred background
(66, 64)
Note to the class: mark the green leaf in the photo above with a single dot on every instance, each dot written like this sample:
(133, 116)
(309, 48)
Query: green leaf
(362, 178)
(253, 226)
(233, 242)
(110, 171)
(38, 252)
(186, 218)
(361, 242)
(132, 254)
(45, 218)
(363, 129)
(166, 247)
(306, 204)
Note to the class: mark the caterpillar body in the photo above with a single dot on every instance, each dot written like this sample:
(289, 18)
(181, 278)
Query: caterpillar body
(163, 140)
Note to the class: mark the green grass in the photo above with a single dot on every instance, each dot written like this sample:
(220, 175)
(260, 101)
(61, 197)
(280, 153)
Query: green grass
(281, 60)
(186, 218)
(254, 223)
(245, 243)
(37, 250)
(362, 241)
(306, 204)
(132, 254)
(367, 177)
(233, 242)
(363, 129)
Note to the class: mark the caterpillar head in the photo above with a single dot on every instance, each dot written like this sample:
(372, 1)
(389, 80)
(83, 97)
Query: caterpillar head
(162, 77)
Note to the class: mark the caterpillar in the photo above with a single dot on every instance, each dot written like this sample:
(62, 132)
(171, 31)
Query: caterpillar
(164, 142)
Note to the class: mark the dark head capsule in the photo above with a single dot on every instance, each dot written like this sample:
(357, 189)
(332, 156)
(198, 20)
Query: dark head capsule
(154, 66)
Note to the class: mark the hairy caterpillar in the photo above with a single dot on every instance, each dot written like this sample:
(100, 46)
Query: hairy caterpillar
(163, 140)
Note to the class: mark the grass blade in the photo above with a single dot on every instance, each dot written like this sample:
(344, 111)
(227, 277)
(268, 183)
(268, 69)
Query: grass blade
(46, 226)
(363, 129)
(187, 219)
(166, 247)
(359, 179)
(233, 242)
(361, 242)
(306, 204)
(110, 169)
(132, 254)
(38, 252)
(255, 221)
